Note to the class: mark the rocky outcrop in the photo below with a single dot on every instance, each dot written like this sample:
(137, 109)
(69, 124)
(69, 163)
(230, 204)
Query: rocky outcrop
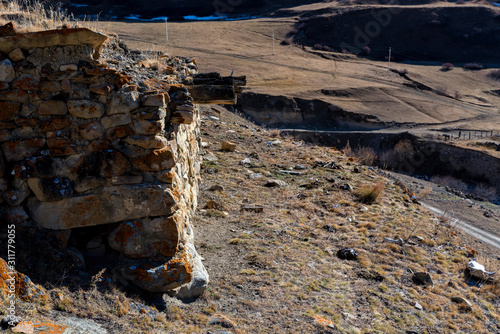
(85, 146)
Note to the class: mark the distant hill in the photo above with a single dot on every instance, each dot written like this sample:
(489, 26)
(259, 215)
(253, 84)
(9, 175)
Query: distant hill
(177, 9)
(445, 34)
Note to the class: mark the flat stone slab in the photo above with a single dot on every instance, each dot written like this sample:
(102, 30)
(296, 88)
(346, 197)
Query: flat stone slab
(59, 37)
(110, 205)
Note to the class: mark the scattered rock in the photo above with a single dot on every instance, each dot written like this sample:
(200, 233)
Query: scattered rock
(24, 288)
(219, 319)
(347, 254)
(216, 187)
(198, 284)
(245, 161)
(275, 183)
(423, 277)
(371, 275)
(228, 146)
(395, 241)
(9, 321)
(289, 172)
(162, 277)
(255, 176)
(210, 157)
(76, 325)
(273, 143)
(463, 302)
(312, 184)
(418, 306)
(253, 208)
(25, 327)
(346, 186)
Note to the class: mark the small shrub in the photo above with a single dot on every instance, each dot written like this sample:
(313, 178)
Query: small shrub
(495, 75)
(366, 155)
(348, 150)
(473, 66)
(441, 90)
(318, 46)
(327, 48)
(447, 67)
(286, 42)
(449, 181)
(403, 150)
(486, 192)
(386, 159)
(365, 51)
(404, 71)
(368, 194)
(274, 133)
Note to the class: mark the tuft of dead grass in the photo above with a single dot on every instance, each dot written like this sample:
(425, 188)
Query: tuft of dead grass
(369, 193)
(32, 15)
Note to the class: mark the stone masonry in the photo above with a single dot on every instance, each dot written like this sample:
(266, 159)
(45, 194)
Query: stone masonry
(82, 147)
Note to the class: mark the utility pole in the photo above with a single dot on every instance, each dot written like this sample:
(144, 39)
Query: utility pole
(273, 42)
(390, 52)
(166, 27)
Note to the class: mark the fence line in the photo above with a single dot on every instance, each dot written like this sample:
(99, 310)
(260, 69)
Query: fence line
(469, 134)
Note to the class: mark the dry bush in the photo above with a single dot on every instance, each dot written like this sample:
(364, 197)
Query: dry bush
(274, 133)
(366, 155)
(348, 150)
(495, 75)
(486, 192)
(327, 48)
(447, 67)
(369, 193)
(386, 159)
(403, 152)
(441, 90)
(365, 51)
(473, 66)
(450, 181)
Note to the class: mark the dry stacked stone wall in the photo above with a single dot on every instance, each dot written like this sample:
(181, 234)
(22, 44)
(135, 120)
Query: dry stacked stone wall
(107, 166)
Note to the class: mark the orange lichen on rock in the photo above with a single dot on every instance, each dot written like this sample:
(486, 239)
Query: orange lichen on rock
(13, 283)
(49, 328)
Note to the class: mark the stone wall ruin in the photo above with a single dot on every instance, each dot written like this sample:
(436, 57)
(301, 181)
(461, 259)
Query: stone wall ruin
(102, 160)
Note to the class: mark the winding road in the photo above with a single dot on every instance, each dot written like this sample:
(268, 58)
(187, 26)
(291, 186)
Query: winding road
(475, 232)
